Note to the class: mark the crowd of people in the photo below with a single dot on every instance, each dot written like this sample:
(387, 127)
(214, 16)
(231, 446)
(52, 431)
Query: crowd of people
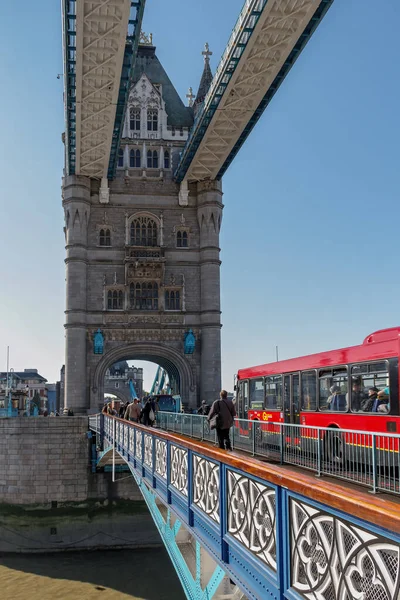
(220, 416)
(140, 412)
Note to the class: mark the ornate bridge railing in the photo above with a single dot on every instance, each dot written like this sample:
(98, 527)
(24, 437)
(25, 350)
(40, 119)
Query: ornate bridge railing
(277, 533)
(363, 457)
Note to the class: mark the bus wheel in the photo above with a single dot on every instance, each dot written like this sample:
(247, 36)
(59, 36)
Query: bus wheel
(334, 449)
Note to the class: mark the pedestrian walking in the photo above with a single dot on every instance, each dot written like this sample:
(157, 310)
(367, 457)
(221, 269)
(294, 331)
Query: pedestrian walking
(133, 411)
(221, 417)
(148, 413)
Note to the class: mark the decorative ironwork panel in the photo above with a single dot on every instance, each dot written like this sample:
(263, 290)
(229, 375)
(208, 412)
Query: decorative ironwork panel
(206, 486)
(161, 458)
(131, 439)
(332, 558)
(252, 516)
(179, 469)
(138, 445)
(148, 450)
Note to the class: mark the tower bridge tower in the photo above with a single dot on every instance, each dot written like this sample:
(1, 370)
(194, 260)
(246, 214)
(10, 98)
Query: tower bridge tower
(142, 261)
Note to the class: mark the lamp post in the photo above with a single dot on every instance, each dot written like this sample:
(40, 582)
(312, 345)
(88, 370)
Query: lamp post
(9, 386)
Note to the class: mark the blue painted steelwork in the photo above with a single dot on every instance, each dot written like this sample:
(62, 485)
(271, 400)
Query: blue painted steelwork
(132, 390)
(192, 586)
(69, 48)
(132, 42)
(274, 543)
(223, 76)
(158, 382)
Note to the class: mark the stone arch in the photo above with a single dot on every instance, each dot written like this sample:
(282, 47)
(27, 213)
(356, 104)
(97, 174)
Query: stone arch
(123, 394)
(170, 359)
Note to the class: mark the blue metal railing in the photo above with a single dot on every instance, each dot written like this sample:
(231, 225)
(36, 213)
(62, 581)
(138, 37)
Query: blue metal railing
(368, 458)
(270, 532)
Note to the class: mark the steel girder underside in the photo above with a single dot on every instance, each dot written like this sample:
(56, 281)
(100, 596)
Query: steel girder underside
(264, 44)
(99, 50)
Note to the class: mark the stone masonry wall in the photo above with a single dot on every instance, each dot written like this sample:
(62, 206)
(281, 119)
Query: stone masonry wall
(46, 460)
(50, 501)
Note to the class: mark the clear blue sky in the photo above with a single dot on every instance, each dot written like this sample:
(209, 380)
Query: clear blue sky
(310, 242)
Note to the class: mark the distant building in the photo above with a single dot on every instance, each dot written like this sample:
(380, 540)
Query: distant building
(24, 386)
(117, 381)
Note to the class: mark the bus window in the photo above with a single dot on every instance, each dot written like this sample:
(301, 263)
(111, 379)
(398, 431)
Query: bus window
(273, 392)
(366, 377)
(309, 390)
(333, 389)
(257, 393)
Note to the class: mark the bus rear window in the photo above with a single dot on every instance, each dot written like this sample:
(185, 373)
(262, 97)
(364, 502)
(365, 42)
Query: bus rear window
(370, 389)
(257, 393)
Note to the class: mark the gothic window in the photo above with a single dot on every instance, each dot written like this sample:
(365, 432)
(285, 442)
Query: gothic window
(120, 157)
(144, 295)
(152, 119)
(182, 240)
(166, 160)
(172, 300)
(134, 158)
(152, 159)
(105, 237)
(143, 232)
(115, 300)
(134, 119)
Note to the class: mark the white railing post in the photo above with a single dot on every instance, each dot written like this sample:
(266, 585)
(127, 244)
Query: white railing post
(113, 455)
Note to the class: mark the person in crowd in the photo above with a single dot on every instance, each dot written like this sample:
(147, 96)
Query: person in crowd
(225, 409)
(122, 408)
(204, 408)
(357, 395)
(148, 413)
(382, 403)
(133, 410)
(334, 390)
(368, 403)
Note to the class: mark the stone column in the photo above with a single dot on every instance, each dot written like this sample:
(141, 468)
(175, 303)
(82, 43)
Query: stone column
(209, 214)
(76, 203)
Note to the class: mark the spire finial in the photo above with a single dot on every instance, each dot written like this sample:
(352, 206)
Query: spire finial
(190, 96)
(206, 53)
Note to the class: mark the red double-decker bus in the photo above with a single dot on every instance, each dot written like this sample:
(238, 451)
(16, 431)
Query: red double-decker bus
(351, 388)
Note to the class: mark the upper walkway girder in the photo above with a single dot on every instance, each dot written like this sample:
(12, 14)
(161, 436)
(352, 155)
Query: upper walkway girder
(265, 42)
(100, 41)
(276, 532)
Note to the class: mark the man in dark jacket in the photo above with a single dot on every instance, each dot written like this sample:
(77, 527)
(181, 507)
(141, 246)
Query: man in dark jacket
(226, 411)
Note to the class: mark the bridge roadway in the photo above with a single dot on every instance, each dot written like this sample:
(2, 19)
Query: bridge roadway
(274, 531)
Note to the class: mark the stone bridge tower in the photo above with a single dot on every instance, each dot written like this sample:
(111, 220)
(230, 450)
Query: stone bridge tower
(142, 264)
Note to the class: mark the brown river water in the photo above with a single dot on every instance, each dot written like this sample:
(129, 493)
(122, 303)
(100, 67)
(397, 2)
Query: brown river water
(99, 575)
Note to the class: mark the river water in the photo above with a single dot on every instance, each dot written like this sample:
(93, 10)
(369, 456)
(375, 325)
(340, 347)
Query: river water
(99, 575)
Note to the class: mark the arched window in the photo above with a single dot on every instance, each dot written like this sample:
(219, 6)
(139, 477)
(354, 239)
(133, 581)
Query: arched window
(152, 159)
(143, 232)
(134, 119)
(120, 157)
(115, 300)
(182, 239)
(144, 295)
(152, 119)
(105, 237)
(134, 159)
(166, 159)
(172, 300)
